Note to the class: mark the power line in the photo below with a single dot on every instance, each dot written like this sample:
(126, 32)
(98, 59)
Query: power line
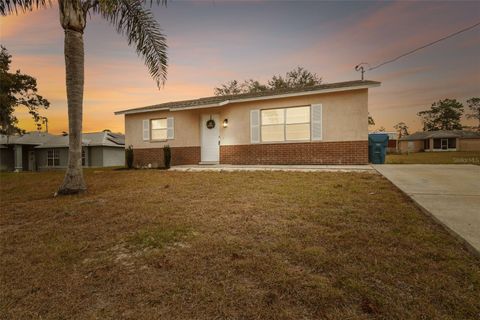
(422, 47)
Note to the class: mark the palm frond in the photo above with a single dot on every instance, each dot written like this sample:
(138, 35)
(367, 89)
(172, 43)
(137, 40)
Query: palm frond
(142, 30)
(13, 6)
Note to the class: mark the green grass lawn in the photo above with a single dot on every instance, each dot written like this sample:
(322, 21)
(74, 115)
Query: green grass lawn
(153, 244)
(450, 157)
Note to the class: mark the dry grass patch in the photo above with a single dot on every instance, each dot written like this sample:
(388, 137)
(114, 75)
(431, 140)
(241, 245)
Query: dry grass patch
(158, 237)
(213, 245)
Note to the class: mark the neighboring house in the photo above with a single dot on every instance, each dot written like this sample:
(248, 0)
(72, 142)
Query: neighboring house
(323, 124)
(442, 140)
(18, 152)
(99, 149)
(392, 140)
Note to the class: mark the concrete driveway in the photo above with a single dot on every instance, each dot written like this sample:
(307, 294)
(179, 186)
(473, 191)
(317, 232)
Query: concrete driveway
(451, 193)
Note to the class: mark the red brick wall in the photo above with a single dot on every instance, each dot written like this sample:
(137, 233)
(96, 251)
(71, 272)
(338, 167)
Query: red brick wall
(392, 143)
(154, 156)
(345, 152)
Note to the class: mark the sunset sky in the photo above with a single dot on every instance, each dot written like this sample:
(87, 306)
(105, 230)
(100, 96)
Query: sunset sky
(211, 42)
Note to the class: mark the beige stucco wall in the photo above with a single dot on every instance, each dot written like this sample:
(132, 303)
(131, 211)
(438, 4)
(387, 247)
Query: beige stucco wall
(469, 145)
(345, 117)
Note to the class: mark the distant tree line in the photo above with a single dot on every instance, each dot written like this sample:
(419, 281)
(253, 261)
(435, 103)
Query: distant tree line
(296, 78)
(444, 114)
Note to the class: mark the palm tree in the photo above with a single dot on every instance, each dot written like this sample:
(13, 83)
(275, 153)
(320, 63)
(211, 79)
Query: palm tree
(131, 19)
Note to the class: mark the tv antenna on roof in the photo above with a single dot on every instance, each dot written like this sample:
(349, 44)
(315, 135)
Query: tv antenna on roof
(359, 67)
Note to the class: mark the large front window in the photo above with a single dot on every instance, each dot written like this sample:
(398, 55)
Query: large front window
(285, 124)
(53, 158)
(159, 129)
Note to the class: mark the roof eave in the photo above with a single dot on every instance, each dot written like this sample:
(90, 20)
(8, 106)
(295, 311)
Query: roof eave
(83, 145)
(278, 96)
(117, 113)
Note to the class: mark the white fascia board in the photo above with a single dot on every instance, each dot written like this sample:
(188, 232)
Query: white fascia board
(203, 106)
(304, 93)
(117, 113)
(278, 96)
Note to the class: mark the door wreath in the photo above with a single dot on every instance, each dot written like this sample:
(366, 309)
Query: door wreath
(210, 123)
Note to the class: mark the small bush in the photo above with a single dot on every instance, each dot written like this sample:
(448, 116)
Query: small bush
(167, 156)
(129, 157)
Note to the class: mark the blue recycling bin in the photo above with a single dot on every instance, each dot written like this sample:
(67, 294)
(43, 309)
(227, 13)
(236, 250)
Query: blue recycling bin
(377, 147)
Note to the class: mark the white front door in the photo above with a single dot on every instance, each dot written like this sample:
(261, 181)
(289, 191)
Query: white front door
(210, 137)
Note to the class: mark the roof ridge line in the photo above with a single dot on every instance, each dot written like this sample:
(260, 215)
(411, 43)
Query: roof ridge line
(216, 101)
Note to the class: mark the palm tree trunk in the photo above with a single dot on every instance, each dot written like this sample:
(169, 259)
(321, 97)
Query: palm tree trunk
(72, 19)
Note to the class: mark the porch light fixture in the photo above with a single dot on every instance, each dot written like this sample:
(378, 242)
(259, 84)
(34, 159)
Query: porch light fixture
(225, 123)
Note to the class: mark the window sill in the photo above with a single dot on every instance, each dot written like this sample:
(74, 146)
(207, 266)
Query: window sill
(289, 141)
(441, 150)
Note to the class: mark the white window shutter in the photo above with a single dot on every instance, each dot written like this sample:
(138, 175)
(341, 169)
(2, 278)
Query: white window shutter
(146, 130)
(255, 126)
(316, 121)
(170, 128)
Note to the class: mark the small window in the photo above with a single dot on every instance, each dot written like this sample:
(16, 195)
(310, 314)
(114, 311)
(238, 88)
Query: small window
(159, 129)
(53, 158)
(285, 124)
(83, 157)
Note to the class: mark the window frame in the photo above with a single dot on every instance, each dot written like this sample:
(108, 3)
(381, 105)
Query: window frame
(84, 157)
(165, 129)
(55, 158)
(444, 144)
(285, 124)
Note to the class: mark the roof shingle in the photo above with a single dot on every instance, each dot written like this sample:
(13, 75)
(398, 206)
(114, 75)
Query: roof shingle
(92, 139)
(463, 134)
(220, 100)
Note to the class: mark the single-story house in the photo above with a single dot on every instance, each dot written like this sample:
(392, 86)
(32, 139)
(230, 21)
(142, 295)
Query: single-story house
(322, 124)
(442, 140)
(17, 152)
(46, 151)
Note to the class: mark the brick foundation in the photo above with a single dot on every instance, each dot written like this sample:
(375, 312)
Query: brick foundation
(345, 152)
(154, 156)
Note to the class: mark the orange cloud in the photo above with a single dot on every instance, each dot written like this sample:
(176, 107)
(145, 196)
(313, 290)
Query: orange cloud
(37, 30)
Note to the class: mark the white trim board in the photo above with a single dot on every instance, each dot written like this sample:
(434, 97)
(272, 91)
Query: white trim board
(227, 102)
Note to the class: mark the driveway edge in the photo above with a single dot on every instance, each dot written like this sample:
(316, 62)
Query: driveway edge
(470, 248)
